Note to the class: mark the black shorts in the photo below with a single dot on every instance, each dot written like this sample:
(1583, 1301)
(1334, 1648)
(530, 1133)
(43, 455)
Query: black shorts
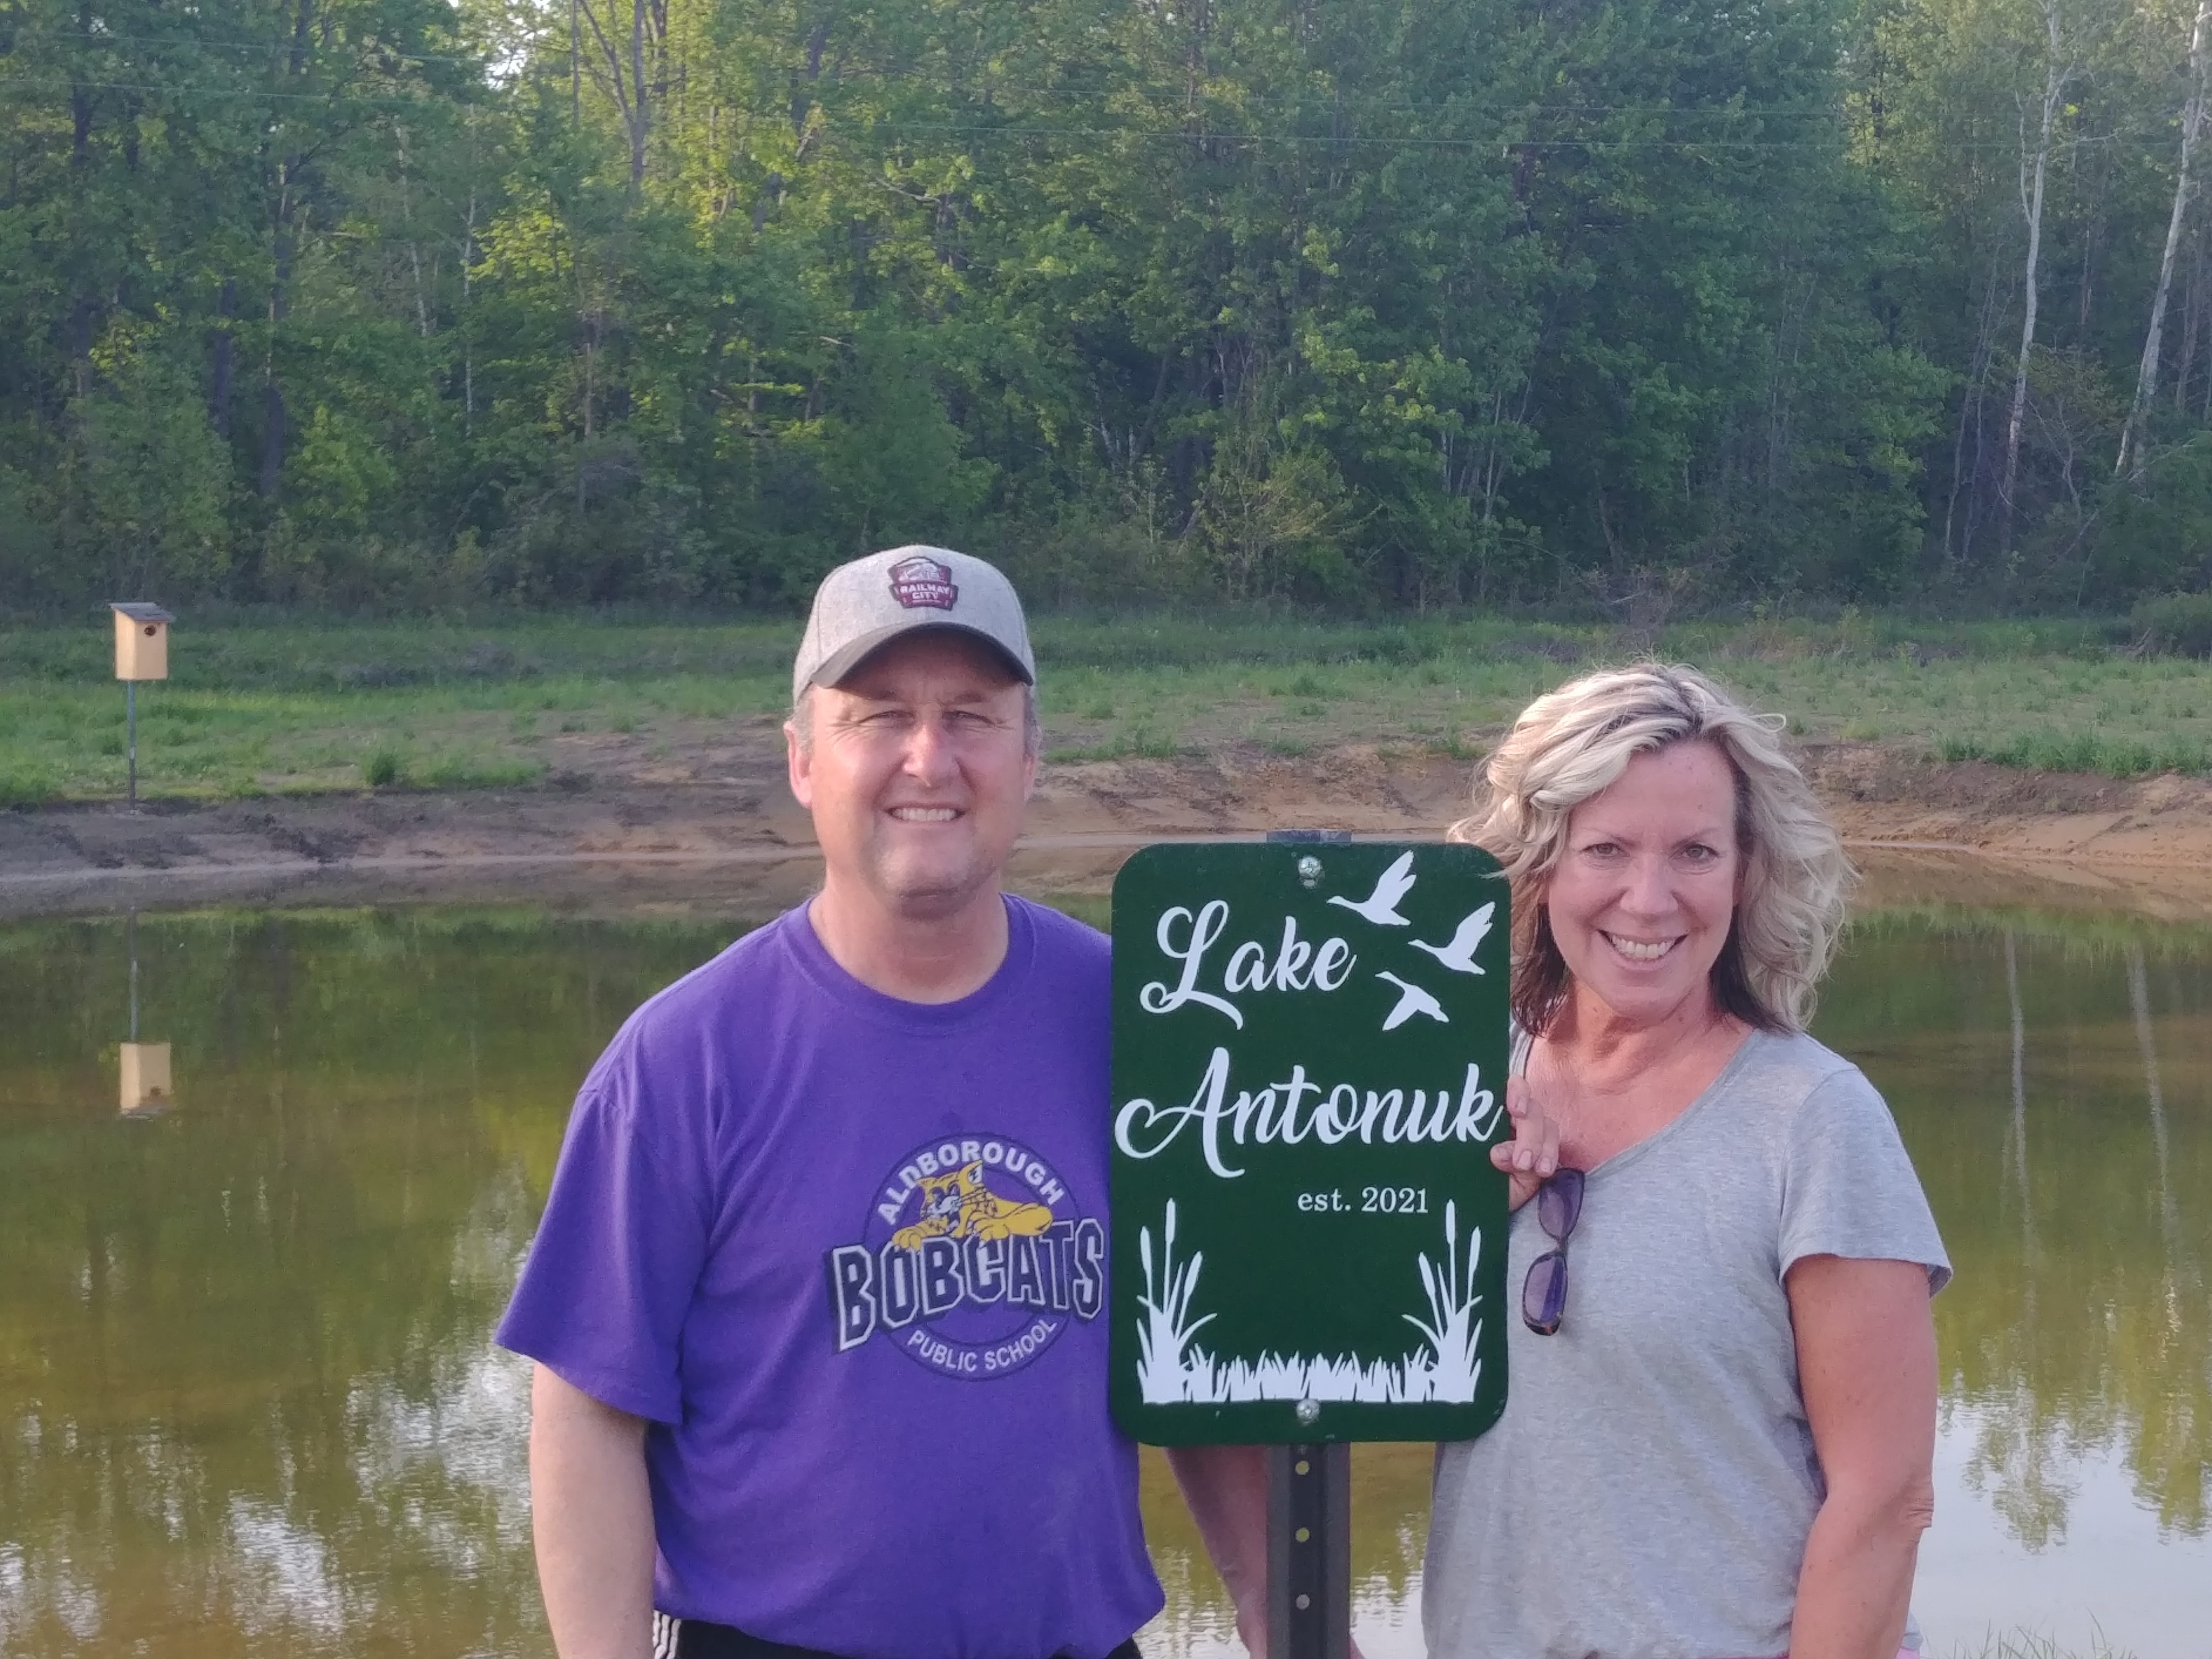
(692, 1638)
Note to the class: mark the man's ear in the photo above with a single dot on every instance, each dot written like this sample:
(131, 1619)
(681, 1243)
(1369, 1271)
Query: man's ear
(800, 765)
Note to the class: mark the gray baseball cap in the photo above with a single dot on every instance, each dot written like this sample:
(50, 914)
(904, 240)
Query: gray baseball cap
(871, 601)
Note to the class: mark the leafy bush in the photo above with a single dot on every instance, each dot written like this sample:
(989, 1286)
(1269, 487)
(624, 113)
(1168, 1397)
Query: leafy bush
(2174, 625)
(459, 772)
(2149, 533)
(26, 783)
(383, 768)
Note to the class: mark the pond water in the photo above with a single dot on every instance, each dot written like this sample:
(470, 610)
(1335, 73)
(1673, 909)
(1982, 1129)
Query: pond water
(247, 1406)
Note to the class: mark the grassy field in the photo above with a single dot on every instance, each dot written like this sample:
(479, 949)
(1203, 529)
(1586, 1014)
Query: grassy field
(285, 705)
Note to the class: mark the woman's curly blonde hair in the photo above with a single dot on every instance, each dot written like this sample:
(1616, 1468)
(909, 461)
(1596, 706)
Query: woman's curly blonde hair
(1571, 744)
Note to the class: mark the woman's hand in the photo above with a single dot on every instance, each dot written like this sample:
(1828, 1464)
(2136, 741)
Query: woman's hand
(1533, 1154)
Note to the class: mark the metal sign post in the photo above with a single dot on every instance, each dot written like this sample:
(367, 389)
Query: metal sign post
(1309, 1058)
(1310, 1551)
(1309, 1499)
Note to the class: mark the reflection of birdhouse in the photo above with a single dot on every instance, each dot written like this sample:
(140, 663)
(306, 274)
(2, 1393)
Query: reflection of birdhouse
(146, 1077)
(142, 641)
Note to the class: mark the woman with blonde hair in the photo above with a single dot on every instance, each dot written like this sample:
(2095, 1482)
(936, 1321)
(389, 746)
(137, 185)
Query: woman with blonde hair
(1718, 1440)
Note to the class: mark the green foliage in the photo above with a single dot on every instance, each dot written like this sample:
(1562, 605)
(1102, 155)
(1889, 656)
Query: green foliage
(462, 771)
(1360, 305)
(2157, 532)
(2175, 625)
(27, 783)
(2082, 751)
(366, 304)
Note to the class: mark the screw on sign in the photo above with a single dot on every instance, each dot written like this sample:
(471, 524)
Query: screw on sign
(1310, 1054)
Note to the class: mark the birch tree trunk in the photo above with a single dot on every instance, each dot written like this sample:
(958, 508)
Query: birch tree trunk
(641, 110)
(2055, 77)
(2130, 460)
(2016, 1139)
(624, 77)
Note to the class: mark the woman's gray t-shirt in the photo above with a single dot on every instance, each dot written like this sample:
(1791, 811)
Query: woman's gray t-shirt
(1648, 1491)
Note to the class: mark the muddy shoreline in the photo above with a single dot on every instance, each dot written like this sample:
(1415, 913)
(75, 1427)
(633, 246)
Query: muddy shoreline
(1925, 832)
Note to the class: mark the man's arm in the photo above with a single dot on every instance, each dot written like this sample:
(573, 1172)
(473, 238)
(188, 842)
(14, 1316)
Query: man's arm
(1866, 1361)
(591, 1516)
(1225, 1489)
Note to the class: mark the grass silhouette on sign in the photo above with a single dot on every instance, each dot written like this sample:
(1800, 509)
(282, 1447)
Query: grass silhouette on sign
(1173, 1368)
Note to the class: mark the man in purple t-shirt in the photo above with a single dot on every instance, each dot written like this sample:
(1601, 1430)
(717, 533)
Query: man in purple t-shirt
(816, 1301)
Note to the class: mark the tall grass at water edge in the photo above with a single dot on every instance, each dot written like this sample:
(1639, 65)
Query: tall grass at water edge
(2025, 1644)
(2082, 751)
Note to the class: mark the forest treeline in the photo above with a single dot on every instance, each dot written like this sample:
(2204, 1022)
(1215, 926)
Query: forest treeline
(1379, 302)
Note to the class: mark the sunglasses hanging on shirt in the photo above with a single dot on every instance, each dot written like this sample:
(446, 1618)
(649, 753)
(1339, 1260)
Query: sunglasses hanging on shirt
(1544, 1293)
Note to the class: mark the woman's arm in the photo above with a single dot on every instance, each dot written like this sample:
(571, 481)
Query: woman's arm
(1866, 1362)
(591, 1517)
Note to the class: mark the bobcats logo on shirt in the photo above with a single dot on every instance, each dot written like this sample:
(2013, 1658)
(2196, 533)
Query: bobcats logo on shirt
(959, 1206)
(974, 1260)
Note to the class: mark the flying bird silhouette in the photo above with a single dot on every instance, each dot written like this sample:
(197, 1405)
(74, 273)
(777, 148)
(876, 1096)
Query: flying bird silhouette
(1381, 906)
(1411, 1000)
(1459, 955)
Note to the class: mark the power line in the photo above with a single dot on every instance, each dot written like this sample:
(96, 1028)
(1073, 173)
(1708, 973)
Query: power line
(275, 44)
(2159, 137)
(1507, 141)
(335, 95)
(1333, 98)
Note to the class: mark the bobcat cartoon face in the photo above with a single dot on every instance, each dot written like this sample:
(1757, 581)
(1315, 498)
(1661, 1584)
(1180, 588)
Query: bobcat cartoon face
(959, 1206)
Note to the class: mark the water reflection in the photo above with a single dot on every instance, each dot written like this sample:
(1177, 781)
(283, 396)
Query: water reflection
(147, 1086)
(247, 1406)
(2054, 1081)
(2085, 1324)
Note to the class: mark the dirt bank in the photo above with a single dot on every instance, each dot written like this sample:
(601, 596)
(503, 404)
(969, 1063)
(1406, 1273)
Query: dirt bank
(617, 834)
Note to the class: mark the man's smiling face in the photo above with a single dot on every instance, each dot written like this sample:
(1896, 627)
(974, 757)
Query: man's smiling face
(916, 768)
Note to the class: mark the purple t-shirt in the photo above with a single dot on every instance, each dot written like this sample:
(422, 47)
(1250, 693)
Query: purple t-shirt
(847, 1254)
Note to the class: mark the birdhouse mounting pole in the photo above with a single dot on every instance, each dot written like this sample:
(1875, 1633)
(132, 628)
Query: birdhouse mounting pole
(131, 742)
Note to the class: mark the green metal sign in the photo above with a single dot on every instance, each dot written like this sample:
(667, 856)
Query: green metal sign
(1309, 1058)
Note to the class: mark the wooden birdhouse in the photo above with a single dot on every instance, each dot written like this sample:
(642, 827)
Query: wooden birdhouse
(146, 1086)
(142, 641)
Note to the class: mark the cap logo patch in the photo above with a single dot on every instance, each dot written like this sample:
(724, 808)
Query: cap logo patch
(921, 583)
